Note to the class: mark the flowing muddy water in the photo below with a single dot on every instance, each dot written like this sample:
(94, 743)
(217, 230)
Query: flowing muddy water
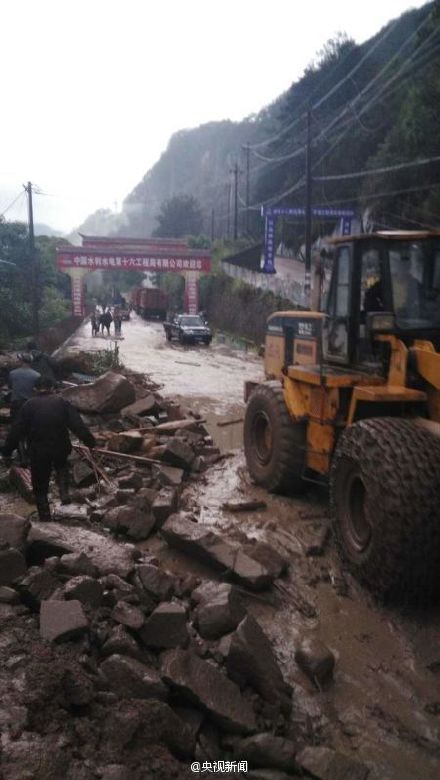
(384, 703)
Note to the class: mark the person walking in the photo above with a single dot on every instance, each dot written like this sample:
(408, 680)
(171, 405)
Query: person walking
(45, 421)
(21, 381)
(106, 320)
(94, 324)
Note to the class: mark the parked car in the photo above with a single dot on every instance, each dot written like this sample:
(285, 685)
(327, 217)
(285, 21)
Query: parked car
(188, 329)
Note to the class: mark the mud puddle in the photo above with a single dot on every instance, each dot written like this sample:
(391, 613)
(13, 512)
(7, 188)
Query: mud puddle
(382, 703)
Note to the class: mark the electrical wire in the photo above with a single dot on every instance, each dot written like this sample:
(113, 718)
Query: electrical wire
(376, 171)
(20, 194)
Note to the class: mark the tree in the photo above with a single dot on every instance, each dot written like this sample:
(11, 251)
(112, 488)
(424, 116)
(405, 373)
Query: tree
(179, 216)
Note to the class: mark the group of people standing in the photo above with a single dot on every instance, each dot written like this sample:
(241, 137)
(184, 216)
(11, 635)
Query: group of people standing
(102, 321)
(40, 425)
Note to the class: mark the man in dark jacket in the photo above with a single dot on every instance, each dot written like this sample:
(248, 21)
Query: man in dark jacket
(45, 421)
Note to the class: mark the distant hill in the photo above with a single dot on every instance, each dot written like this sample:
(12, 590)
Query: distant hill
(373, 105)
(40, 229)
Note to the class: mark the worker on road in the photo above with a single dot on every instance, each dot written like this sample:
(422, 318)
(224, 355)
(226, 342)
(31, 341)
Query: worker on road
(45, 421)
(21, 381)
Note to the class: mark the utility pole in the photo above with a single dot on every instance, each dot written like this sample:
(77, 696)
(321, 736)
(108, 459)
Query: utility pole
(228, 224)
(235, 172)
(212, 224)
(308, 215)
(34, 264)
(246, 219)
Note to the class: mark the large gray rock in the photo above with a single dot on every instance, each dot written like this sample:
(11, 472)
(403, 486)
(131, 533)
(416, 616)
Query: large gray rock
(62, 620)
(315, 659)
(77, 563)
(267, 751)
(168, 475)
(14, 530)
(83, 474)
(109, 393)
(201, 542)
(146, 722)
(206, 686)
(12, 566)
(131, 521)
(323, 763)
(155, 581)
(265, 554)
(38, 585)
(120, 642)
(164, 504)
(249, 658)
(128, 615)
(131, 679)
(179, 454)
(166, 627)
(85, 589)
(109, 556)
(140, 407)
(220, 614)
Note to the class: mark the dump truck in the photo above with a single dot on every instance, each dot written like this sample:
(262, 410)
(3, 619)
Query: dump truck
(150, 302)
(352, 400)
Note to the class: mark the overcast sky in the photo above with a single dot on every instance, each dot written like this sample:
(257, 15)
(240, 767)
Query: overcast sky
(92, 90)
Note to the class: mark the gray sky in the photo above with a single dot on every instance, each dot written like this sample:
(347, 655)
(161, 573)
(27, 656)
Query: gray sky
(92, 90)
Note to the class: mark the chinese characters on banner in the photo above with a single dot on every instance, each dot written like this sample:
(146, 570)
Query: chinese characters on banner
(191, 293)
(93, 262)
(78, 297)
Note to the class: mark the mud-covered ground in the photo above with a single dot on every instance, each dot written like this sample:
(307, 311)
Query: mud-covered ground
(383, 706)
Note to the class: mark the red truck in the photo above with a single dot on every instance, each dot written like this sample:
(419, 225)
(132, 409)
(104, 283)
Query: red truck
(150, 302)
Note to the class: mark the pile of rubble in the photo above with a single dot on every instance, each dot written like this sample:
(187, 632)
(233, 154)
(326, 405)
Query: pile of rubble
(112, 666)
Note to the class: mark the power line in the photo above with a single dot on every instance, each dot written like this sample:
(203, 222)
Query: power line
(20, 194)
(375, 171)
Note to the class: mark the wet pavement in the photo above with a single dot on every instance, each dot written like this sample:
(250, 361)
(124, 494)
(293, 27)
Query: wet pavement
(383, 706)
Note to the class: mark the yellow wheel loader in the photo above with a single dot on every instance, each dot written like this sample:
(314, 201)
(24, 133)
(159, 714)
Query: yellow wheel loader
(352, 399)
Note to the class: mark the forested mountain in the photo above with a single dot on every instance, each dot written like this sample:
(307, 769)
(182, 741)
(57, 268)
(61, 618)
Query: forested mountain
(372, 106)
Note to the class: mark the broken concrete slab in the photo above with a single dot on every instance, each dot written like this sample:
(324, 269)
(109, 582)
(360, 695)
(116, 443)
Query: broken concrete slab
(111, 392)
(128, 615)
(140, 407)
(12, 566)
(250, 659)
(14, 530)
(316, 660)
(129, 678)
(201, 542)
(155, 581)
(220, 614)
(178, 453)
(323, 763)
(205, 685)
(85, 589)
(166, 627)
(62, 620)
(131, 521)
(109, 556)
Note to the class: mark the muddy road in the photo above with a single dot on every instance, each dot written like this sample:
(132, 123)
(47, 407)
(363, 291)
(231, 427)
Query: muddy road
(383, 705)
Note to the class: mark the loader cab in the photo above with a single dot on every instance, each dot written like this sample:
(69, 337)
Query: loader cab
(382, 282)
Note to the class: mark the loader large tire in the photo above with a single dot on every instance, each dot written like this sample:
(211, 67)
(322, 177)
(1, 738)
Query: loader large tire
(275, 446)
(385, 495)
